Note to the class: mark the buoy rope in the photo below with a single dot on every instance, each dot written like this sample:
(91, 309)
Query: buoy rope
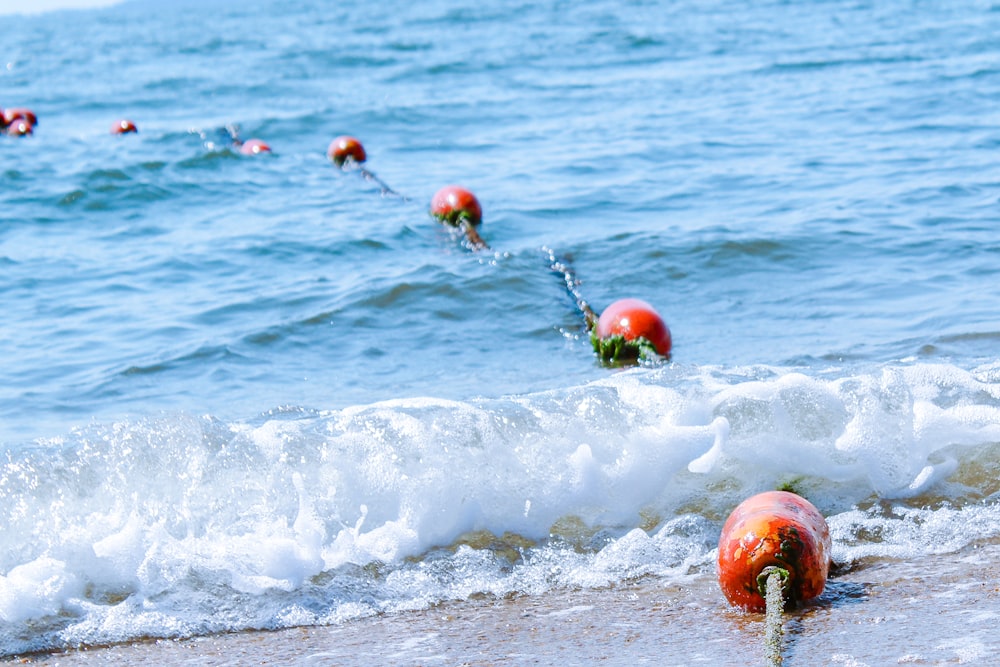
(371, 177)
(775, 600)
(560, 266)
(232, 132)
(349, 161)
(456, 207)
(476, 241)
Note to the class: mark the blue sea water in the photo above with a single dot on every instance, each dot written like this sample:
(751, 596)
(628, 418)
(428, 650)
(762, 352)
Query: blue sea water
(255, 391)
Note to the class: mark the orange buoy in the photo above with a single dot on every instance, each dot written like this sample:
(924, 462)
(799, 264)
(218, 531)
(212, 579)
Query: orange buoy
(10, 115)
(20, 127)
(346, 148)
(452, 204)
(254, 147)
(124, 126)
(773, 529)
(634, 320)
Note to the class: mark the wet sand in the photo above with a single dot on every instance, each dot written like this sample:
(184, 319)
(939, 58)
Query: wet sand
(932, 611)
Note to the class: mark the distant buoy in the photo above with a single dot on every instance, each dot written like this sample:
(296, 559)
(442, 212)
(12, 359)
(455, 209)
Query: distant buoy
(625, 324)
(124, 127)
(10, 115)
(346, 148)
(779, 530)
(453, 204)
(254, 147)
(20, 127)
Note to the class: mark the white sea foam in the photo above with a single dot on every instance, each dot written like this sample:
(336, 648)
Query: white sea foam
(182, 525)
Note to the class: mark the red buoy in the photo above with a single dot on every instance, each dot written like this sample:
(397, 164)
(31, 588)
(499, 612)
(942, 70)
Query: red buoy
(634, 319)
(775, 529)
(254, 147)
(346, 148)
(453, 204)
(10, 115)
(20, 127)
(124, 126)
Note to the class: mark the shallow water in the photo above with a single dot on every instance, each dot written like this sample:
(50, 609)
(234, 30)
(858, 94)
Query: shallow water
(934, 610)
(256, 385)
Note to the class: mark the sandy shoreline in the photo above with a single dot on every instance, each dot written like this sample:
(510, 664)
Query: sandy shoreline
(935, 610)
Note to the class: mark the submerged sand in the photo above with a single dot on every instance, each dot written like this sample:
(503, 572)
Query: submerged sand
(929, 611)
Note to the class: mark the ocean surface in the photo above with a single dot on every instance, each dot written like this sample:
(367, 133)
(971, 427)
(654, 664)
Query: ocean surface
(253, 392)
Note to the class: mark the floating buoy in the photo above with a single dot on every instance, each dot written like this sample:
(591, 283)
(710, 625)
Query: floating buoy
(20, 127)
(124, 126)
(453, 204)
(346, 148)
(774, 531)
(627, 328)
(456, 206)
(10, 115)
(254, 147)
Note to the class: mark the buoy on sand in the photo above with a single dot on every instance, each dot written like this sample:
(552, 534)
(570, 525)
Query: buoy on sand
(773, 531)
(346, 148)
(627, 329)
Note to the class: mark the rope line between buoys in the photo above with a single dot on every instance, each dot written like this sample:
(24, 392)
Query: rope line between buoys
(386, 191)
(560, 266)
(627, 331)
(452, 205)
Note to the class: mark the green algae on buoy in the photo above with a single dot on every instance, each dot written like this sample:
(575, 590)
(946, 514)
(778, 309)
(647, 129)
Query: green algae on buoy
(453, 204)
(629, 330)
(773, 532)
